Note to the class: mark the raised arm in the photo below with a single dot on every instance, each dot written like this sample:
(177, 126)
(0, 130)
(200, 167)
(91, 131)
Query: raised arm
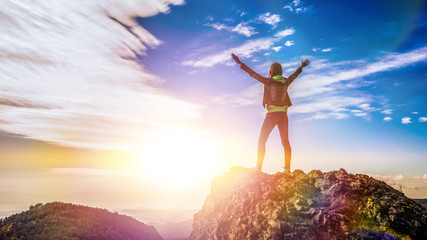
(247, 69)
(294, 75)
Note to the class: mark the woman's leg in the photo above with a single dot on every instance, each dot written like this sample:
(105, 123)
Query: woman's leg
(283, 126)
(267, 127)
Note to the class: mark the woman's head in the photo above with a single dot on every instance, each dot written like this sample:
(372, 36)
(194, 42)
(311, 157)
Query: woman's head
(275, 69)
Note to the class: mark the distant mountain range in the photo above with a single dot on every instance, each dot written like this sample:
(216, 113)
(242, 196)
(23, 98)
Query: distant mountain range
(421, 201)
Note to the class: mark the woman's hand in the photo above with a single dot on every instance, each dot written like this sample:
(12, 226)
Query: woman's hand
(236, 58)
(305, 63)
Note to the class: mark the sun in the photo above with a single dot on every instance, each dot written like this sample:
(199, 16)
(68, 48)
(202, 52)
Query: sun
(180, 158)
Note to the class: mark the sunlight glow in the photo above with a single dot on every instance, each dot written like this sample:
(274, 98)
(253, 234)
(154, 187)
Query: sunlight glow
(179, 159)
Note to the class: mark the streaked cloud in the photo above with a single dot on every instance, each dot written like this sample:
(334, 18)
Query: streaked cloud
(322, 50)
(89, 171)
(246, 97)
(360, 113)
(241, 13)
(323, 80)
(387, 119)
(406, 120)
(243, 51)
(77, 82)
(241, 28)
(328, 104)
(270, 19)
(366, 107)
(414, 112)
(422, 119)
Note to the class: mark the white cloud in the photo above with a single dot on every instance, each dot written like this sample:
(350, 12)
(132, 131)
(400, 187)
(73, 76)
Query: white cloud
(248, 96)
(322, 50)
(289, 43)
(277, 48)
(241, 28)
(244, 30)
(300, 10)
(241, 13)
(366, 106)
(209, 18)
(296, 2)
(271, 19)
(406, 120)
(414, 187)
(387, 111)
(285, 33)
(363, 115)
(244, 51)
(218, 26)
(326, 104)
(422, 119)
(387, 119)
(77, 81)
(414, 112)
(291, 65)
(388, 178)
(339, 115)
(296, 6)
(289, 8)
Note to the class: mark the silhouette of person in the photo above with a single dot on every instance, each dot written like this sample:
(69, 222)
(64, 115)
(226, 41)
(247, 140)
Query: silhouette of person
(276, 102)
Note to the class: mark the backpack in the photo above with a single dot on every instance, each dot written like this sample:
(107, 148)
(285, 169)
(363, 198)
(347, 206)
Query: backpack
(276, 92)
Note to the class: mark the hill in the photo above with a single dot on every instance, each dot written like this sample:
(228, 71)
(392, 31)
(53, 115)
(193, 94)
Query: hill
(422, 202)
(176, 230)
(249, 204)
(58, 220)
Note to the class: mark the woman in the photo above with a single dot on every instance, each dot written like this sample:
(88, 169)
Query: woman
(276, 101)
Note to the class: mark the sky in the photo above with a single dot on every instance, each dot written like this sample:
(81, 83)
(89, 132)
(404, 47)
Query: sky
(129, 104)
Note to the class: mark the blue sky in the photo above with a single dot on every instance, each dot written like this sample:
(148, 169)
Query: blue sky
(85, 95)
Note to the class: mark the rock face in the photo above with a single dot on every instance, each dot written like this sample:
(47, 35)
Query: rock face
(58, 220)
(248, 204)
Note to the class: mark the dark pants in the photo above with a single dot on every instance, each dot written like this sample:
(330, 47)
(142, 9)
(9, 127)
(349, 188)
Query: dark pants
(271, 120)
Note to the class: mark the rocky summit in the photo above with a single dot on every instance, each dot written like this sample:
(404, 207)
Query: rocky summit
(249, 204)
